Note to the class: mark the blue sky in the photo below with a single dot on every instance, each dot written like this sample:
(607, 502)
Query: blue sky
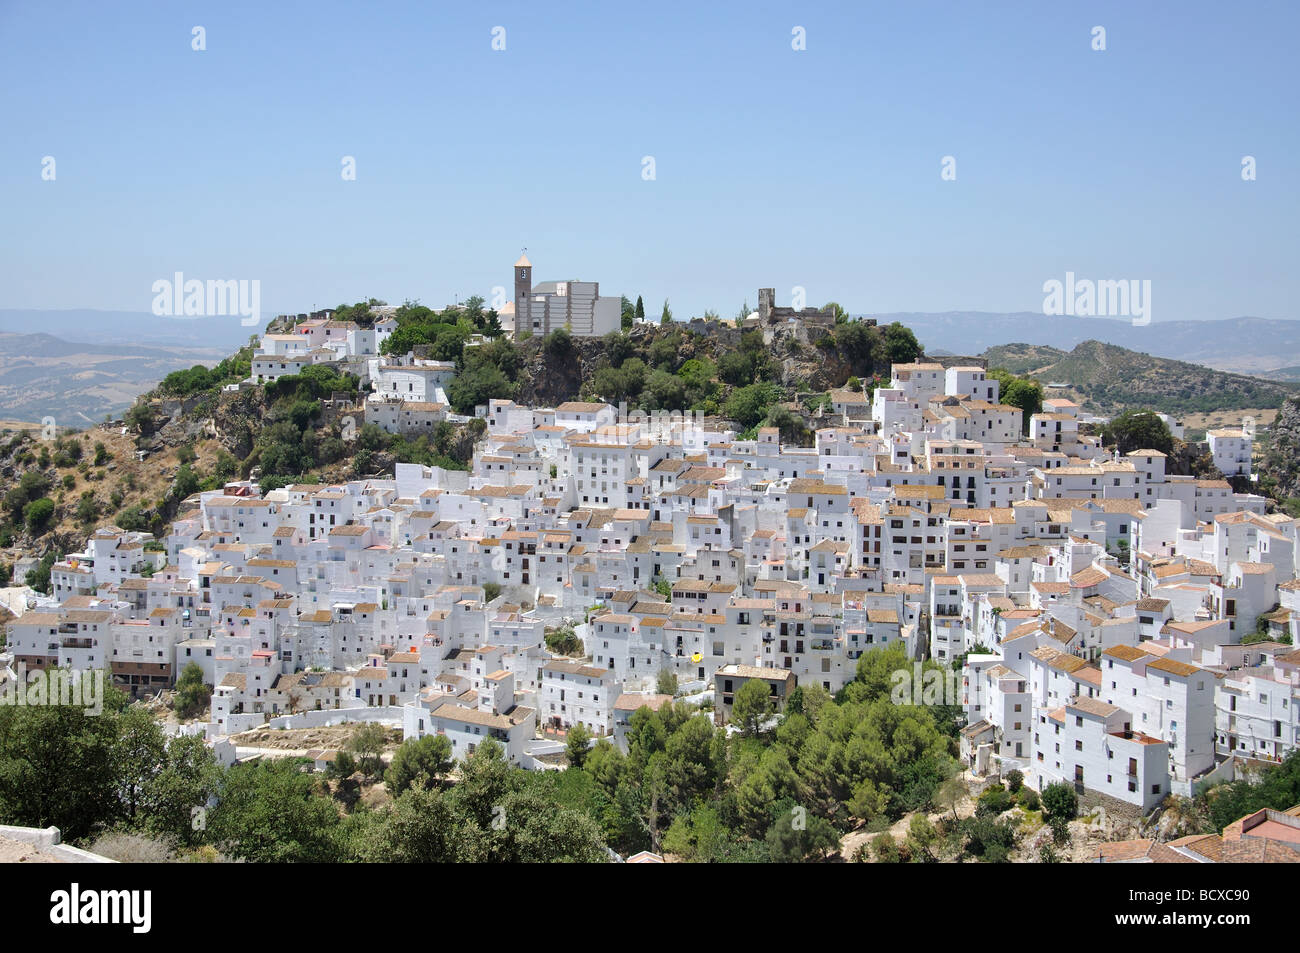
(774, 167)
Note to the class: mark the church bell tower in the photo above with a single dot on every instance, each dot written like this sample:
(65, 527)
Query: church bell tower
(523, 289)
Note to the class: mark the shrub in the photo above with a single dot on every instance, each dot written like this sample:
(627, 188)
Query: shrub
(993, 802)
(563, 641)
(343, 766)
(128, 848)
(1059, 800)
(886, 849)
(38, 514)
(559, 343)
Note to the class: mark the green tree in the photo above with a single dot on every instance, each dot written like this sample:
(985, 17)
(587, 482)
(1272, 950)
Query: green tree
(1138, 430)
(485, 779)
(758, 788)
(367, 743)
(578, 745)
(38, 514)
(993, 801)
(137, 753)
(922, 839)
(859, 344)
(792, 428)
(475, 386)
(563, 641)
(750, 404)
(192, 695)
(421, 827)
(666, 682)
(58, 768)
(640, 309)
(1023, 392)
(559, 343)
(537, 831)
(1059, 800)
(752, 706)
(885, 849)
(186, 483)
(183, 783)
(1276, 785)
(421, 762)
(701, 836)
(900, 344)
(343, 766)
(87, 508)
(798, 837)
(736, 367)
(987, 838)
(141, 417)
(268, 812)
(39, 578)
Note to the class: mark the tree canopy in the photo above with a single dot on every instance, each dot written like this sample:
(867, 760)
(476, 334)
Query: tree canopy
(1138, 430)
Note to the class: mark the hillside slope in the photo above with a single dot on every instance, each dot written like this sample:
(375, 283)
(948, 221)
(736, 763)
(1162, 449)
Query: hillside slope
(79, 383)
(1111, 379)
(1244, 345)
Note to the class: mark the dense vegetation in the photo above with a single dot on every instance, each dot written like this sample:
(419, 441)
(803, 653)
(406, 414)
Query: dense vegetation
(1137, 430)
(1277, 787)
(486, 372)
(199, 379)
(1023, 392)
(293, 441)
(683, 370)
(440, 335)
(780, 789)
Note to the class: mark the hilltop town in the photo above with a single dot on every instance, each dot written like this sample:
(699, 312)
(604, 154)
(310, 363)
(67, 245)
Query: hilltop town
(1057, 602)
(1117, 628)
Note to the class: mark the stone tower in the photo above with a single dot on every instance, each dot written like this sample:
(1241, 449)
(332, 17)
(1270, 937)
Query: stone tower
(766, 302)
(523, 289)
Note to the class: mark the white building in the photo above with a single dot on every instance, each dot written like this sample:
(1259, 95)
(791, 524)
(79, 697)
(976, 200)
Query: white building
(551, 305)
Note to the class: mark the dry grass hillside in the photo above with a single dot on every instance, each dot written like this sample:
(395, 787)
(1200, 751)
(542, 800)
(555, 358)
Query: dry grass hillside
(1108, 379)
(115, 480)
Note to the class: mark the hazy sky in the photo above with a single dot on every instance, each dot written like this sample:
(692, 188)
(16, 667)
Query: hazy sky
(818, 168)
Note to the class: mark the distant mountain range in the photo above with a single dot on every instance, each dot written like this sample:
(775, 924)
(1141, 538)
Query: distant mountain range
(78, 365)
(79, 383)
(1245, 345)
(1110, 379)
(223, 334)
